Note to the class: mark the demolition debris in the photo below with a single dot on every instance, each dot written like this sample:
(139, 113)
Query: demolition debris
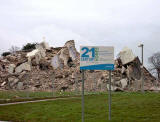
(35, 71)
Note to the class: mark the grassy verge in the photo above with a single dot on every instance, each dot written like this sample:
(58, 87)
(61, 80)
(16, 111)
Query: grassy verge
(27, 94)
(126, 107)
(19, 96)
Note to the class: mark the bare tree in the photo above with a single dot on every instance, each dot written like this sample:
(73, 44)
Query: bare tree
(155, 62)
(13, 49)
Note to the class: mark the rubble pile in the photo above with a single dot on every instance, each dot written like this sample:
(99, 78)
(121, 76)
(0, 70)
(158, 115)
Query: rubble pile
(46, 68)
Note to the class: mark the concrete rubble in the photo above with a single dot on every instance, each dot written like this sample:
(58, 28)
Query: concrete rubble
(126, 55)
(123, 83)
(23, 67)
(44, 66)
(11, 68)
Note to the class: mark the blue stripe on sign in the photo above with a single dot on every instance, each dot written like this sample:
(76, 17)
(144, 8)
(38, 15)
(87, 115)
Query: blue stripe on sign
(98, 67)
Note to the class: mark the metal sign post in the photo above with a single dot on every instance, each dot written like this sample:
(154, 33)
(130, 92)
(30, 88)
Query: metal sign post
(82, 95)
(109, 95)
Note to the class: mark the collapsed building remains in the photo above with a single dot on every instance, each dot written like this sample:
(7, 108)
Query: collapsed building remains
(44, 66)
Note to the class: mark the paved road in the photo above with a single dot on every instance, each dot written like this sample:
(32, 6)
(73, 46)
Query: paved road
(36, 101)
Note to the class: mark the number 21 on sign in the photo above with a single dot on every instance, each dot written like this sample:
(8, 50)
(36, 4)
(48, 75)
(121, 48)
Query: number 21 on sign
(86, 51)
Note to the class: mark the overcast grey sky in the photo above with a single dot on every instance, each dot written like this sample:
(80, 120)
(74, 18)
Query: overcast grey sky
(89, 22)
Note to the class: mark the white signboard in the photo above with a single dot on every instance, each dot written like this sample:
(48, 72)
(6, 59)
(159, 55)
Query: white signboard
(96, 58)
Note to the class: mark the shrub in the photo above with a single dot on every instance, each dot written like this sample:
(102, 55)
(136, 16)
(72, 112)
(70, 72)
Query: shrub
(6, 53)
(29, 46)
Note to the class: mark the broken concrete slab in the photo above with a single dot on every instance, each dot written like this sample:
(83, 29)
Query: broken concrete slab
(73, 76)
(64, 55)
(71, 48)
(42, 52)
(126, 55)
(72, 53)
(114, 88)
(38, 54)
(32, 53)
(23, 67)
(56, 62)
(11, 79)
(123, 69)
(15, 81)
(124, 83)
(11, 68)
(3, 84)
(20, 86)
(133, 70)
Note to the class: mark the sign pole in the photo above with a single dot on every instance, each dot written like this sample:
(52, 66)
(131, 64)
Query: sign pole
(109, 95)
(82, 95)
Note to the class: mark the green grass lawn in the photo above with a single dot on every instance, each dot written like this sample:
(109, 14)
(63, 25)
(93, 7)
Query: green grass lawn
(40, 94)
(26, 94)
(126, 107)
(19, 96)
